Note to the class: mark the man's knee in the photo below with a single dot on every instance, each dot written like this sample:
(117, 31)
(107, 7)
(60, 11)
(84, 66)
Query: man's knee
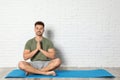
(58, 61)
(21, 65)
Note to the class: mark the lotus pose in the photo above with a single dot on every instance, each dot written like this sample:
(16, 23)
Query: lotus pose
(41, 52)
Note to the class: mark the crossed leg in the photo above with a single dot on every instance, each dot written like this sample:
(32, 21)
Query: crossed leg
(55, 63)
(48, 70)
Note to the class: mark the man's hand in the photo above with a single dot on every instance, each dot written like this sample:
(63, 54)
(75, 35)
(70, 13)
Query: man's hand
(38, 43)
(38, 46)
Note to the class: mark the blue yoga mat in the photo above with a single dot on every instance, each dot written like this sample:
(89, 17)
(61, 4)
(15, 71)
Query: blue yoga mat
(98, 73)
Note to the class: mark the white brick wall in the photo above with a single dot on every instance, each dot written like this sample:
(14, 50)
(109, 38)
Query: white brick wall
(86, 33)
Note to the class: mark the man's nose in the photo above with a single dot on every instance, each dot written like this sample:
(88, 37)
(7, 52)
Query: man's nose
(38, 29)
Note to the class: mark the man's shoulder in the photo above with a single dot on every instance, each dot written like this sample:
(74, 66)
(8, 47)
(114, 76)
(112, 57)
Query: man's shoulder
(46, 39)
(30, 40)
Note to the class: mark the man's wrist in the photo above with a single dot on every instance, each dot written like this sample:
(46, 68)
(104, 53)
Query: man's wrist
(40, 49)
(36, 49)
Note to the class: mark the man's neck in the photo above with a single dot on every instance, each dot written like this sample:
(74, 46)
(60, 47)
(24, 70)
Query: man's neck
(39, 38)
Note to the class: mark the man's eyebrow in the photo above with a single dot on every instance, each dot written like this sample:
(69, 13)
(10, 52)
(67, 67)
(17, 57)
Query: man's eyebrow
(39, 28)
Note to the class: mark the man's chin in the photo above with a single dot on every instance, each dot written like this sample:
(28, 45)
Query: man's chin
(39, 34)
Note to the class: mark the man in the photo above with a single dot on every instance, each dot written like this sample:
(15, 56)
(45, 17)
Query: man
(41, 52)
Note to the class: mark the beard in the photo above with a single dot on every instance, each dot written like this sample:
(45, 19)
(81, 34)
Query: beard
(39, 33)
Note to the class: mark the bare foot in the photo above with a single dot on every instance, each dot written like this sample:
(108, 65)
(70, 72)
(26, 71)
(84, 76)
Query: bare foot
(51, 73)
(45, 73)
(27, 73)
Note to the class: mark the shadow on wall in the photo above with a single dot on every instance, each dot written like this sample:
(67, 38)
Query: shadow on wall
(59, 53)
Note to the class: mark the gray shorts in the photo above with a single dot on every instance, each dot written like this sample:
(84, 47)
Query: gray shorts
(39, 64)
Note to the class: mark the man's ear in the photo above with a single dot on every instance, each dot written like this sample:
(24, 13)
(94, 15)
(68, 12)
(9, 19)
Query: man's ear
(43, 30)
(34, 29)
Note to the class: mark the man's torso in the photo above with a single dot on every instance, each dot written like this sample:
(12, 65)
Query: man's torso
(45, 45)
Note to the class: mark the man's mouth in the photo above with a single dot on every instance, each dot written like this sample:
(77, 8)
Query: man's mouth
(38, 32)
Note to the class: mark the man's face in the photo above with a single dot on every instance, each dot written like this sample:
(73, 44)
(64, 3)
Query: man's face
(39, 29)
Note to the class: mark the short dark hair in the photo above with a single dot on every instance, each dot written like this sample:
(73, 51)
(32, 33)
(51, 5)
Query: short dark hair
(39, 23)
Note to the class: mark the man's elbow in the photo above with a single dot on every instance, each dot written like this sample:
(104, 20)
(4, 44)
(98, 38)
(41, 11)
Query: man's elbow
(25, 58)
(53, 57)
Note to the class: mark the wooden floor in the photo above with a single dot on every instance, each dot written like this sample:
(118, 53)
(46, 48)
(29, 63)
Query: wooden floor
(114, 71)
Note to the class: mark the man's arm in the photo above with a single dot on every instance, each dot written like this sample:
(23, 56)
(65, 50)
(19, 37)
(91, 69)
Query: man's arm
(27, 54)
(50, 54)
